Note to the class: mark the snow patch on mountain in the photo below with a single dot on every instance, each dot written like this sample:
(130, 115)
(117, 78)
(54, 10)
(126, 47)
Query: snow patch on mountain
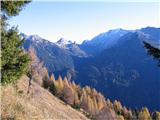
(63, 43)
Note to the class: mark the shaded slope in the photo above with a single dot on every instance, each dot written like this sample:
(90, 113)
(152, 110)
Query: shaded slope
(125, 72)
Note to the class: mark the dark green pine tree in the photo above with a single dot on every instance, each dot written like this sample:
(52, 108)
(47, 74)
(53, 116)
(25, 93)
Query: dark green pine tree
(155, 52)
(14, 61)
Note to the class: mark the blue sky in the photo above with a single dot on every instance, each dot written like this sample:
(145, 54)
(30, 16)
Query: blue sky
(78, 21)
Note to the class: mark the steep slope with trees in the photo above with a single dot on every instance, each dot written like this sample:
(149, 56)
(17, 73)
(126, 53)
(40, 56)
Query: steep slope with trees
(39, 104)
(18, 100)
(93, 103)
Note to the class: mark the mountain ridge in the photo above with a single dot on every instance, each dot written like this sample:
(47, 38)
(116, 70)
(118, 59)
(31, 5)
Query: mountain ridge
(78, 67)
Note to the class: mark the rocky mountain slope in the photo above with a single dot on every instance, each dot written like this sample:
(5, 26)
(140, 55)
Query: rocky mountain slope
(57, 57)
(112, 37)
(103, 41)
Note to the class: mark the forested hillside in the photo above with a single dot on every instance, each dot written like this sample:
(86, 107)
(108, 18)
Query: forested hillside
(93, 104)
(64, 80)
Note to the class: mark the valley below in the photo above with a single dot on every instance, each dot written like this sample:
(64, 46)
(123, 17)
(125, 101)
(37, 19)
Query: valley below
(116, 63)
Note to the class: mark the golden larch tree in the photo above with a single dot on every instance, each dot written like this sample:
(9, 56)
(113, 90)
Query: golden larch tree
(144, 114)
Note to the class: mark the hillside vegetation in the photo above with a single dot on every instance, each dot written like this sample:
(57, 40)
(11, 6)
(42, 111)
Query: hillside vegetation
(38, 104)
(29, 91)
(93, 104)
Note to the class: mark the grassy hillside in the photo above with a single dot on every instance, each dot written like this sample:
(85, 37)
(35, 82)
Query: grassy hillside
(37, 104)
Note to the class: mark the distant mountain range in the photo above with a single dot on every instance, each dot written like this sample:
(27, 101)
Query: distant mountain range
(115, 63)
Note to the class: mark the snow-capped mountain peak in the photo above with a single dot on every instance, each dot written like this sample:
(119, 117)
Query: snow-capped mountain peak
(35, 37)
(63, 42)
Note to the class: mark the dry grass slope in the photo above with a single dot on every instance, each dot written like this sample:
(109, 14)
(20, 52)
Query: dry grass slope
(39, 104)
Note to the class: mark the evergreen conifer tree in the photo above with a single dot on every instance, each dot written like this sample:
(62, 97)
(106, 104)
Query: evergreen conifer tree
(14, 61)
